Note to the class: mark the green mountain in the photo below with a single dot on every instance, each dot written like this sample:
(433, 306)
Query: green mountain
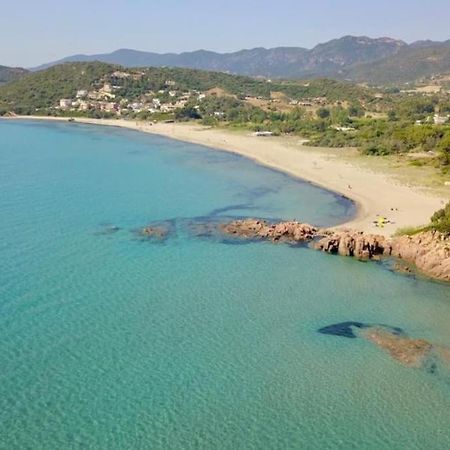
(8, 74)
(44, 89)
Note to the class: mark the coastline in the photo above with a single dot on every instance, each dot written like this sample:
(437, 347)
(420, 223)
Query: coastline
(374, 193)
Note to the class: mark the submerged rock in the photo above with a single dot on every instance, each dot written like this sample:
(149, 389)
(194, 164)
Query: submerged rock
(156, 232)
(408, 351)
(411, 352)
(343, 329)
(203, 228)
(159, 231)
(108, 229)
(347, 329)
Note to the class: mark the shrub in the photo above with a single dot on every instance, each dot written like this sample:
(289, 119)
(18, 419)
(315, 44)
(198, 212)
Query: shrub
(441, 219)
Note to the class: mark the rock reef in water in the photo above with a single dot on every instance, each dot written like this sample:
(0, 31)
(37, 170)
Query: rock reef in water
(428, 251)
(411, 352)
(347, 329)
(157, 232)
(108, 229)
(408, 351)
(343, 329)
(292, 231)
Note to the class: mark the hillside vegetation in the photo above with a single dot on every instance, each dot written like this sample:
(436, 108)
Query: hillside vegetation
(327, 112)
(43, 89)
(441, 219)
(8, 74)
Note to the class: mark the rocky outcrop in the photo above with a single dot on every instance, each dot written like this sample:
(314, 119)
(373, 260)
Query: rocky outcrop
(280, 232)
(428, 251)
(351, 243)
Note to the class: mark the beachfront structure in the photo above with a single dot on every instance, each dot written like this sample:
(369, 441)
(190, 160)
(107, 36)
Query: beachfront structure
(82, 93)
(83, 105)
(120, 75)
(264, 133)
(107, 89)
(65, 103)
(440, 120)
(136, 107)
(340, 128)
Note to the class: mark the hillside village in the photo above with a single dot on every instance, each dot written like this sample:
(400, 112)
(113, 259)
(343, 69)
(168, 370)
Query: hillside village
(115, 94)
(111, 95)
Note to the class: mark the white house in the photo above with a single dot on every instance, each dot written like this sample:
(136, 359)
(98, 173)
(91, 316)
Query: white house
(82, 93)
(65, 103)
(440, 120)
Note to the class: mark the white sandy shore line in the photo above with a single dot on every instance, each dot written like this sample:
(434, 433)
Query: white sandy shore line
(373, 192)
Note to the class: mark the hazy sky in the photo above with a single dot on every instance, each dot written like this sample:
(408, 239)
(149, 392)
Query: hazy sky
(37, 31)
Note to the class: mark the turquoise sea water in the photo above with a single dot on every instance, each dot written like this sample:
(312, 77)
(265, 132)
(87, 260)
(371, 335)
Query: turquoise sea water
(111, 342)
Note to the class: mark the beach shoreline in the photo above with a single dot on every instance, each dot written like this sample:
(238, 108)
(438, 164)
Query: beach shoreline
(375, 194)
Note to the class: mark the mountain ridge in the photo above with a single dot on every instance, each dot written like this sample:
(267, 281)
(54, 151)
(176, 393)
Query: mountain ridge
(286, 61)
(356, 58)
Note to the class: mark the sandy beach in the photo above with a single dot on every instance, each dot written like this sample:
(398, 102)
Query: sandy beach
(375, 193)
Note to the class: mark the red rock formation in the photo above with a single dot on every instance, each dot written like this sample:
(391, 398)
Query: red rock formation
(351, 243)
(259, 229)
(428, 251)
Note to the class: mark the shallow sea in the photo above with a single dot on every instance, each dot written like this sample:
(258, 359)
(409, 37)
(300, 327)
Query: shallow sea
(114, 342)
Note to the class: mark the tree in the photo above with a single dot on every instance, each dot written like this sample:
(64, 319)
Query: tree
(187, 113)
(444, 149)
(441, 219)
(392, 116)
(323, 113)
(355, 111)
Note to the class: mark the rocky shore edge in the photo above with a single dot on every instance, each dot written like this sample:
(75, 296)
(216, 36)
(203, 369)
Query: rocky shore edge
(428, 251)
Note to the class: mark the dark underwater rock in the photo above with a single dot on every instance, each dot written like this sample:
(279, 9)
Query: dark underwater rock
(108, 229)
(343, 329)
(411, 352)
